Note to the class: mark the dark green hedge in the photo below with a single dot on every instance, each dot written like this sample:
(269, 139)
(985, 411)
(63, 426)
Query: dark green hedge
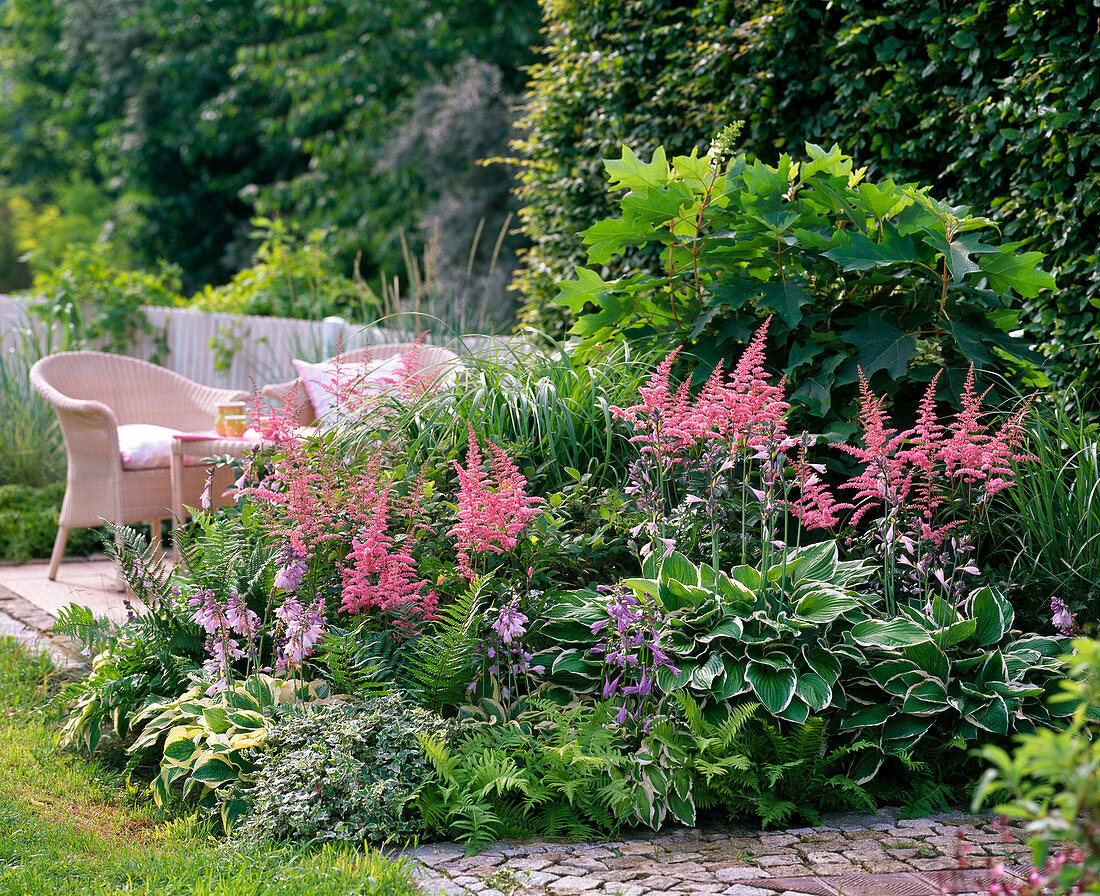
(992, 103)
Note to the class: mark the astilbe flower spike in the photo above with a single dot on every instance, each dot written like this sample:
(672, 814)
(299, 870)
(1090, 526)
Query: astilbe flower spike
(493, 508)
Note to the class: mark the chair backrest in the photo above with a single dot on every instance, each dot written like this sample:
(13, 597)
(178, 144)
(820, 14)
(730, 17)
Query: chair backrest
(135, 390)
(431, 359)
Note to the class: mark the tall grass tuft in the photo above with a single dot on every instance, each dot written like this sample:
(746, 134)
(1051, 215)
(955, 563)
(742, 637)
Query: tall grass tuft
(548, 408)
(1050, 522)
(32, 452)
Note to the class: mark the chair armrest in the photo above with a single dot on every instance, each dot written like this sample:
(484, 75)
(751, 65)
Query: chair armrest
(90, 410)
(279, 392)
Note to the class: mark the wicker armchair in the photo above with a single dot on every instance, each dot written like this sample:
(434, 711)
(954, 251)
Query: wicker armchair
(94, 393)
(432, 359)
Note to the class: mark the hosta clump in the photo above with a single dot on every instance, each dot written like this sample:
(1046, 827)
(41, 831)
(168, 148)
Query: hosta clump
(345, 772)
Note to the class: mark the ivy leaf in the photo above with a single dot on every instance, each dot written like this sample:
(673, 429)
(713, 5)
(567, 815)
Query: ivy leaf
(1019, 272)
(883, 200)
(786, 298)
(862, 253)
(880, 345)
(630, 172)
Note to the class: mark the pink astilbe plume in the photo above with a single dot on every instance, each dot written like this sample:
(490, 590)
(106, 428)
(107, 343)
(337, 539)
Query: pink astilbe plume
(493, 508)
(976, 457)
(884, 480)
(815, 507)
(382, 575)
(276, 425)
(662, 419)
(748, 410)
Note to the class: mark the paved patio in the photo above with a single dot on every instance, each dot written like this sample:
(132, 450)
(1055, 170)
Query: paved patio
(846, 855)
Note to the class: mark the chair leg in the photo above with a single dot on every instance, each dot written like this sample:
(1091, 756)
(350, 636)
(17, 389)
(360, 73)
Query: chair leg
(58, 550)
(155, 535)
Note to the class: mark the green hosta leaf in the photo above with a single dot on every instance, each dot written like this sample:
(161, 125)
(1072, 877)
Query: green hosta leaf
(813, 562)
(991, 717)
(669, 681)
(926, 698)
(214, 770)
(180, 745)
(902, 732)
(247, 719)
(733, 682)
(727, 628)
(748, 576)
(796, 712)
(677, 567)
(863, 253)
(988, 617)
(824, 663)
(883, 671)
(773, 687)
(703, 677)
(217, 719)
(889, 633)
(930, 658)
(820, 603)
(814, 690)
(1016, 271)
(958, 632)
(867, 717)
(645, 586)
(631, 173)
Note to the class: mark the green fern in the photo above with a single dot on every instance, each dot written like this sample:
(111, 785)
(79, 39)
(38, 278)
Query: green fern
(142, 565)
(363, 662)
(445, 657)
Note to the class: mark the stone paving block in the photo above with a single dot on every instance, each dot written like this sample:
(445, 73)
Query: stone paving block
(773, 861)
(536, 878)
(656, 882)
(528, 863)
(572, 884)
(746, 890)
(621, 889)
(937, 863)
(737, 875)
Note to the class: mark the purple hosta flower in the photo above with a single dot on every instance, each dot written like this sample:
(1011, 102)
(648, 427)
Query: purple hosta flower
(504, 650)
(510, 623)
(291, 572)
(223, 624)
(631, 651)
(303, 626)
(1063, 618)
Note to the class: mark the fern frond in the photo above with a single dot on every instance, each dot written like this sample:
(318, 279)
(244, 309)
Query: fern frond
(141, 564)
(442, 665)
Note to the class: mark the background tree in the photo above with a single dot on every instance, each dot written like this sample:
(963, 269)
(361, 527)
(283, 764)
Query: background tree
(992, 103)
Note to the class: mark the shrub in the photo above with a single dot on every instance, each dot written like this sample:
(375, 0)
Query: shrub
(346, 772)
(987, 102)
(862, 278)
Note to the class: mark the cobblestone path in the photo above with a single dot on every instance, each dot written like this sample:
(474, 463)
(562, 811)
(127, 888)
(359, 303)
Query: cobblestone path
(850, 855)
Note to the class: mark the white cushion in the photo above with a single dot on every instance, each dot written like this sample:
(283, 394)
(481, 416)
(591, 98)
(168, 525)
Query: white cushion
(327, 382)
(144, 446)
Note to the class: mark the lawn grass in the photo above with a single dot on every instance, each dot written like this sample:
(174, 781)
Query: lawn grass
(68, 826)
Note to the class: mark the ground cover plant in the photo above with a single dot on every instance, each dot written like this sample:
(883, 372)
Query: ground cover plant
(70, 827)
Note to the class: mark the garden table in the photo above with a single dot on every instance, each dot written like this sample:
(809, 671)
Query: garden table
(202, 444)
